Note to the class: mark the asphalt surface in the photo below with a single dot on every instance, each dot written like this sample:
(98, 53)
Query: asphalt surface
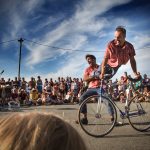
(121, 138)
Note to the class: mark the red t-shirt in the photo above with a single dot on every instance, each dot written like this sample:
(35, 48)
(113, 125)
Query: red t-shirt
(117, 55)
(89, 71)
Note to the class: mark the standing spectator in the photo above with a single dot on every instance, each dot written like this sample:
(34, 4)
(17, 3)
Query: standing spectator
(46, 82)
(68, 83)
(2, 82)
(62, 89)
(146, 80)
(39, 84)
(74, 90)
(32, 83)
(51, 82)
(24, 84)
(16, 83)
(8, 82)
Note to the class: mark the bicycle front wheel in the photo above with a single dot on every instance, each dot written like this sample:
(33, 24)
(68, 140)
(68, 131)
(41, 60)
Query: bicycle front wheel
(139, 112)
(101, 116)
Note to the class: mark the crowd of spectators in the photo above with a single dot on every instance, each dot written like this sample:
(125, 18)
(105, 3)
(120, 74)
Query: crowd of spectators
(38, 92)
(62, 90)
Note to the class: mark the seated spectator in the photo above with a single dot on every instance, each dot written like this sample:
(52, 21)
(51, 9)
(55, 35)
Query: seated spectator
(33, 96)
(15, 95)
(146, 92)
(48, 88)
(68, 97)
(56, 89)
(115, 95)
(121, 85)
(45, 97)
(122, 97)
(23, 97)
(38, 131)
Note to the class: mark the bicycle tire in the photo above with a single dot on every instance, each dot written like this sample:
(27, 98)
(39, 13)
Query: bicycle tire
(98, 126)
(139, 113)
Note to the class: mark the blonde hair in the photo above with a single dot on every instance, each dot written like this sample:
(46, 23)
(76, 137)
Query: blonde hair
(38, 131)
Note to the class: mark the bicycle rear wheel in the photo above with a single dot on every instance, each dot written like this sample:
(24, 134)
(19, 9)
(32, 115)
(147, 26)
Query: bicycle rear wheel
(139, 113)
(101, 115)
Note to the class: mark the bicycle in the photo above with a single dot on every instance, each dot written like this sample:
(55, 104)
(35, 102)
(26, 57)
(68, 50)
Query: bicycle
(102, 112)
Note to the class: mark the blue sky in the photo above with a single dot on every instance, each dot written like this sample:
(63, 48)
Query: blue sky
(81, 26)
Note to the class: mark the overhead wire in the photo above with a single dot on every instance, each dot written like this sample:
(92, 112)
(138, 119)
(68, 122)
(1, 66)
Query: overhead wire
(38, 43)
(57, 48)
(8, 41)
(66, 49)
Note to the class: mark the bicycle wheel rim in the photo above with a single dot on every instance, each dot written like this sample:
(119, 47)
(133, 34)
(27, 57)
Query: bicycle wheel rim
(98, 126)
(139, 113)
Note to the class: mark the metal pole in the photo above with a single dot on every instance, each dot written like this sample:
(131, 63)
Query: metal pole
(20, 41)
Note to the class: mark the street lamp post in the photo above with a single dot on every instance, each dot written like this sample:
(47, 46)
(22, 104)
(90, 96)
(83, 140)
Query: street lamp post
(20, 41)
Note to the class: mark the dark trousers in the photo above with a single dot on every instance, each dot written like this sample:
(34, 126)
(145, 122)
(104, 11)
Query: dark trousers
(84, 96)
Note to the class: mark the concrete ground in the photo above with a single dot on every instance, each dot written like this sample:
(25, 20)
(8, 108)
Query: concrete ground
(121, 138)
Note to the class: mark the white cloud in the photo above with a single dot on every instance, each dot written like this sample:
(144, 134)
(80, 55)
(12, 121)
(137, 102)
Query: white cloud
(83, 21)
(72, 33)
(17, 13)
(74, 63)
(142, 41)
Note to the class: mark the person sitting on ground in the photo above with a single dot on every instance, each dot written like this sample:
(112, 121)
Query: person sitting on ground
(33, 96)
(38, 131)
(122, 97)
(23, 97)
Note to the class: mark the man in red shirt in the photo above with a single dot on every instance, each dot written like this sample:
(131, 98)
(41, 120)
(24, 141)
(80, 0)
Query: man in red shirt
(92, 79)
(119, 52)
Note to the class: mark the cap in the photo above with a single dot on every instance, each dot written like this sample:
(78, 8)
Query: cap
(90, 55)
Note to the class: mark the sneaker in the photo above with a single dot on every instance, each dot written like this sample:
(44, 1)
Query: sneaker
(83, 121)
(112, 119)
(118, 124)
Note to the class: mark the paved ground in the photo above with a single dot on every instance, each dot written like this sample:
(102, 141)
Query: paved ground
(121, 138)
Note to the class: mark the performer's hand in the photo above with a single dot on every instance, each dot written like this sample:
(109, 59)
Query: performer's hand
(137, 75)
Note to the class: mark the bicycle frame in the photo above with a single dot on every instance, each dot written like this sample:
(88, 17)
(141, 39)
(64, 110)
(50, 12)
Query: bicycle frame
(123, 114)
(101, 114)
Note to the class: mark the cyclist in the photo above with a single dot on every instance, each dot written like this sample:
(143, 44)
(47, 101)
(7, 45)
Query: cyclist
(91, 76)
(92, 81)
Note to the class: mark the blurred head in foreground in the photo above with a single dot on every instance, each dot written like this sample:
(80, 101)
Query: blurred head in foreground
(38, 131)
